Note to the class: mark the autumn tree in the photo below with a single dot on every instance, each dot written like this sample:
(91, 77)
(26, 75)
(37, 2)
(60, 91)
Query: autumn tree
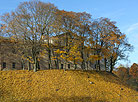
(123, 73)
(83, 31)
(134, 70)
(30, 22)
(67, 21)
(133, 81)
(58, 57)
(108, 41)
(121, 49)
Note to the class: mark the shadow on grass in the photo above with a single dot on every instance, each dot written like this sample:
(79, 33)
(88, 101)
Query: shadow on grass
(106, 76)
(66, 99)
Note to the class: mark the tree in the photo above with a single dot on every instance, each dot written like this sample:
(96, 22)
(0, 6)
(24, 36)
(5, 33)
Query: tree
(108, 38)
(36, 25)
(83, 30)
(58, 56)
(67, 24)
(74, 55)
(123, 73)
(29, 23)
(134, 70)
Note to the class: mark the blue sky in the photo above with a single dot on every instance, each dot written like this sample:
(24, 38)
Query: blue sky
(124, 12)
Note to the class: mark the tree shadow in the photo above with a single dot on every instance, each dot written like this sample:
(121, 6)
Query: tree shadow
(67, 99)
(106, 76)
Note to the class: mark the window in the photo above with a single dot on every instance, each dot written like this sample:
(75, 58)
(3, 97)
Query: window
(13, 65)
(68, 66)
(61, 66)
(4, 65)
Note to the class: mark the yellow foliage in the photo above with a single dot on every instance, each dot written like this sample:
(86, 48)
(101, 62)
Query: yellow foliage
(60, 86)
(70, 58)
(62, 52)
(46, 45)
(78, 59)
(28, 58)
(61, 56)
(57, 51)
(54, 58)
(95, 57)
(122, 37)
(38, 59)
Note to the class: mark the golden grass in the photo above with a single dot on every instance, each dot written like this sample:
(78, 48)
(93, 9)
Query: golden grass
(63, 86)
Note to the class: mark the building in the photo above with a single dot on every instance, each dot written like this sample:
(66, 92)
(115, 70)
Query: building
(10, 59)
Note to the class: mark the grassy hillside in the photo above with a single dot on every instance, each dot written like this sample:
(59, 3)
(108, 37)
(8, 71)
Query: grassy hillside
(63, 86)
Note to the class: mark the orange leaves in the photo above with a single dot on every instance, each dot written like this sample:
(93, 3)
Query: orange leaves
(113, 38)
(61, 56)
(59, 52)
(38, 59)
(66, 14)
(106, 53)
(95, 57)
(74, 55)
(28, 58)
(78, 59)
(42, 53)
(54, 58)
(2, 26)
(123, 73)
(122, 37)
(134, 70)
(70, 58)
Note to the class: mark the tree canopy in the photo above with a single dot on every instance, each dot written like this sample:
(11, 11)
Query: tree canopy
(41, 29)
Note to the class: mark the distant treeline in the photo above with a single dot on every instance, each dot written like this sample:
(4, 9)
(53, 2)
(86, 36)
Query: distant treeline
(128, 75)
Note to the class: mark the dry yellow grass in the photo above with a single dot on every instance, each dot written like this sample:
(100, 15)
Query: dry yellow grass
(63, 86)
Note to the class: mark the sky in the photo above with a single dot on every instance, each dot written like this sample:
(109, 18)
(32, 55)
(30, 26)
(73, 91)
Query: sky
(124, 12)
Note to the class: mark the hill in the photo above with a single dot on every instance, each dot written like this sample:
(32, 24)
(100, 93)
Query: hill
(63, 86)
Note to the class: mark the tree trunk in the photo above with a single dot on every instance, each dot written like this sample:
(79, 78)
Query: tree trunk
(83, 60)
(66, 64)
(87, 65)
(75, 66)
(49, 59)
(105, 62)
(67, 50)
(29, 66)
(22, 63)
(111, 65)
(99, 66)
(38, 66)
(57, 63)
(87, 62)
(1, 58)
(95, 65)
(35, 64)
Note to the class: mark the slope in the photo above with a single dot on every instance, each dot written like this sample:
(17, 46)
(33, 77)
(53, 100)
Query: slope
(63, 86)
